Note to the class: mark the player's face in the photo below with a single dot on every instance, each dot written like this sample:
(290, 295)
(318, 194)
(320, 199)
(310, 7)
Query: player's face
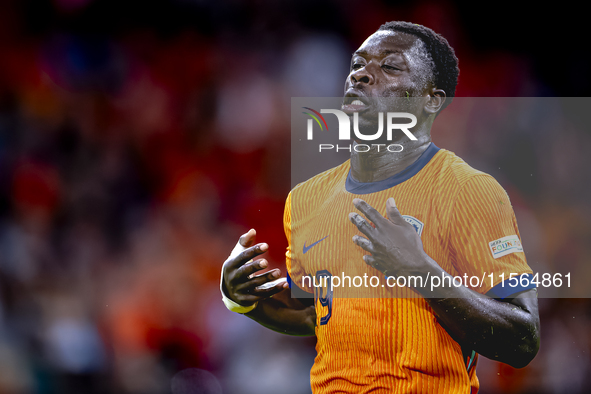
(387, 71)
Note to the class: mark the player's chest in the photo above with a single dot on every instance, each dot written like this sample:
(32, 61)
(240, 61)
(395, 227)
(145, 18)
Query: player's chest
(323, 237)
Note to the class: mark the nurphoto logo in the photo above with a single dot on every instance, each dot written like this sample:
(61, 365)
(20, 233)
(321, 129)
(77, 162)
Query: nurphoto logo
(344, 133)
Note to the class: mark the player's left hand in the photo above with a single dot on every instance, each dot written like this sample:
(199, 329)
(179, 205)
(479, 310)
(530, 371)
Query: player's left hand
(396, 248)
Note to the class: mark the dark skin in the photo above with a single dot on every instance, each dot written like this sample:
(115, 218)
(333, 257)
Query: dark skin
(389, 65)
(276, 308)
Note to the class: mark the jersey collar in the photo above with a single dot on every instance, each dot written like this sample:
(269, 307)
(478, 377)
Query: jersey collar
(355, 187)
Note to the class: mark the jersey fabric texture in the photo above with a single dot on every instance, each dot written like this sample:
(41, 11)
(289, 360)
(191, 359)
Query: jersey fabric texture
(387, 339)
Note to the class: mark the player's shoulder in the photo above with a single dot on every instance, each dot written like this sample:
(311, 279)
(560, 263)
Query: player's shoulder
(324, 181)
(462, 182)
(459, 172)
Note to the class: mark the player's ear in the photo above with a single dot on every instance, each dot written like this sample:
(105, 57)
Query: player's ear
(436, 100)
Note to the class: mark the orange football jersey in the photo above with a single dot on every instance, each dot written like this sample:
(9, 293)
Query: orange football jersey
(382, 339)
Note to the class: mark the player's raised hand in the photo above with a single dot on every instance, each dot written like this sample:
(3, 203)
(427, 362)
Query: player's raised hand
(239, 281)
(394, 246)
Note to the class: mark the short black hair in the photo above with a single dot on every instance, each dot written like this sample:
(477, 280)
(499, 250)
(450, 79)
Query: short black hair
(446, 69)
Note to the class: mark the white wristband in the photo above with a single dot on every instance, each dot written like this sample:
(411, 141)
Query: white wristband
(234, 307)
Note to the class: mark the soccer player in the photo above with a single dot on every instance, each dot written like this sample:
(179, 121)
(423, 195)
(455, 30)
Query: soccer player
(421, 212)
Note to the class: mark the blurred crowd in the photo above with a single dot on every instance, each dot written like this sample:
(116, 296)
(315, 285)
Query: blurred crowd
(139, 141)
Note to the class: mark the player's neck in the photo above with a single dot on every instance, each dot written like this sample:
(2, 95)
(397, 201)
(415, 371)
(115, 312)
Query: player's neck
(378, 163)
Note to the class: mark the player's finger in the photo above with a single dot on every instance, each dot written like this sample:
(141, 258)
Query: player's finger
(266, 290)
(362, 224)
(246, 255)
(368, 211)
(243, 272)
(270, 288)
(364, 243)
(393, 212)
(259, 280)
(369, 260)
(248, 238)
(247, 299)
(375, 263)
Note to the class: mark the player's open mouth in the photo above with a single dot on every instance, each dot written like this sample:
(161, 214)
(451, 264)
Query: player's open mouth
(354, 104)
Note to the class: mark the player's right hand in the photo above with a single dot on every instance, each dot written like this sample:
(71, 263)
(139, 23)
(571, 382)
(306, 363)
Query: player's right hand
(239, 281)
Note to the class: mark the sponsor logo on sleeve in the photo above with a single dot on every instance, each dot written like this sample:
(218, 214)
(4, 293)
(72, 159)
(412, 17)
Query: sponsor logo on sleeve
(504, 246)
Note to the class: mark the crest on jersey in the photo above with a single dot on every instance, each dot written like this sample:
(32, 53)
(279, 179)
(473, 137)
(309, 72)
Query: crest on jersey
(416, 223)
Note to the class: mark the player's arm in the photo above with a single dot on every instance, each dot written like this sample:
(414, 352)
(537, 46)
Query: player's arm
(506, 331)
(275, 307)
(503, 330)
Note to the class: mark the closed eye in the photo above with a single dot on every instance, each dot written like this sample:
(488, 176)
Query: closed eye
(388, 67)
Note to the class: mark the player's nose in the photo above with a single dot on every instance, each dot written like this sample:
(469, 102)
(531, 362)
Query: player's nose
(362, 76)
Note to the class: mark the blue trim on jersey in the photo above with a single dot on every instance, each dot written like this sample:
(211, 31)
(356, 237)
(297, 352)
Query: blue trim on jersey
(504, 289)
(472, 357)
(296, 291)
(355, 187)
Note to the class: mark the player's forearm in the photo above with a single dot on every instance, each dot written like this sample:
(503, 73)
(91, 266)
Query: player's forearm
(506, 331)
(498, 330)
(285, 314)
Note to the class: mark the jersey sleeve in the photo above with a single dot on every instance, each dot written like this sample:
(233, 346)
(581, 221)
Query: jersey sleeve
(295, 270)
(485, 241)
